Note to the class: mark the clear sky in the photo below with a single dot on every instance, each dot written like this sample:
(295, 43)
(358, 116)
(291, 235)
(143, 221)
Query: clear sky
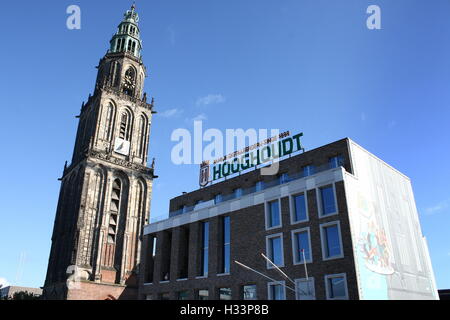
(299, 65)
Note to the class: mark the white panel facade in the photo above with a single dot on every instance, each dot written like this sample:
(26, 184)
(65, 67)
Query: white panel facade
(391, 255)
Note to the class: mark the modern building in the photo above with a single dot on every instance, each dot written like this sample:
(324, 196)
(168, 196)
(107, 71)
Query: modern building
(337, 220)
(10, 291)
(105, 194)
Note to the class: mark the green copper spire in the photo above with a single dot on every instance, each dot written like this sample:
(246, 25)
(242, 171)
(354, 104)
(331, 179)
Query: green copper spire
(127, 38)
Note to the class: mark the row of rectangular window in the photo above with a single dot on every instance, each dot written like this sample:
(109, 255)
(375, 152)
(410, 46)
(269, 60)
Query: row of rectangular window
(331, 241)
(327, 201)
(308, 170)
(335, 287)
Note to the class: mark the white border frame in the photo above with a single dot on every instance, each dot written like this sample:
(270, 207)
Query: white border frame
(267, 212)
(305, 280)
(292, 207)
(294, 245)
(322, 240)
(268, 238)
(269, 292)
(319, 200)
(327, 289)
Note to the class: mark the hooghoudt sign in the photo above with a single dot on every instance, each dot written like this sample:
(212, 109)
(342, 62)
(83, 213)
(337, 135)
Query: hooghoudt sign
(260, 153)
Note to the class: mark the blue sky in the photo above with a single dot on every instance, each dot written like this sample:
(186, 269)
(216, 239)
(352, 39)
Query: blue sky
(310, 66)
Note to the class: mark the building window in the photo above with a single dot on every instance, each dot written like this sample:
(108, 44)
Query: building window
(183, 295)
(238, 192)
(284, 178)
(299, 211)
(309, 170)
(331, 240)
(224, 294)
(142, 136)
(336, 162)
(336, 287)
(226, 225)
(149, 297)
(204, 249)
(274, 250)
(125, 126)
(165, 296)
(203, 294)
(108, 122)
(301, 244)
(249, 292)
(277, 290)
(304, 289)
(259, 186)
(327, 201)
(114, 211)
(218, 198)
(273, 216)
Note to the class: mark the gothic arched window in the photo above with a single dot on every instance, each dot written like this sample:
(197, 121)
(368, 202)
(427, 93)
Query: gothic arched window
(125, 126)
(142, 135)
(129, 83)
(109, 122)
(114, 211)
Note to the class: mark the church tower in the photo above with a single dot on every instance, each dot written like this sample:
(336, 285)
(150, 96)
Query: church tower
(105, 194)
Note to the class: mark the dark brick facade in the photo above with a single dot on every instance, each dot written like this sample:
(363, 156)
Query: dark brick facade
(248, 240)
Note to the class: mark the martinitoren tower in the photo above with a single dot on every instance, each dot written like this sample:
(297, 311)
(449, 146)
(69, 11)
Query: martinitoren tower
(105, 194)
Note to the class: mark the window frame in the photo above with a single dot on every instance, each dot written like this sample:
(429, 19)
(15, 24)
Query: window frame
(292, 207)
(204, 273)
(224, 288)
(268, 238)
(269, 291)
(268, 212)
(319, 200)
(243, 291)
(327, 288)
(323, 243)
(299, 280)
(294, 245)
(197, 294)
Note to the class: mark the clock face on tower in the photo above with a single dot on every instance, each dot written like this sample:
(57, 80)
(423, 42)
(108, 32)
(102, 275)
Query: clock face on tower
(122, 147)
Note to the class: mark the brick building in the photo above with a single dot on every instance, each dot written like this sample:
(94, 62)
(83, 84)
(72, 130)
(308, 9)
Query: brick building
(337, 213)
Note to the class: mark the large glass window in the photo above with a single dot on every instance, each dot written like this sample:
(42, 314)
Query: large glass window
(205, 249)
(273, 214)
(300, 213)
(305, 289)
(275, 250)
(331, 241)
(225, 294)
(226, 245)
(249, 292)
(336, 286)
(327, 200)
(277, 291)
(301, 245)
(238, 192)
